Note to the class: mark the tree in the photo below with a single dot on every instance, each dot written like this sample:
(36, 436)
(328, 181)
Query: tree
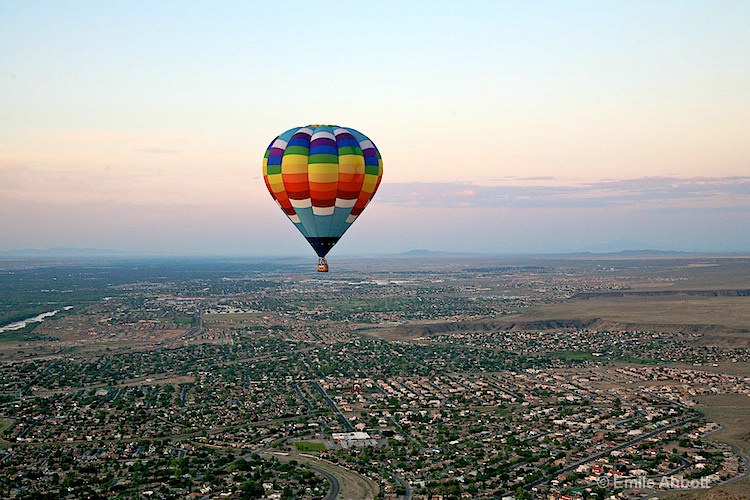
(251, 489)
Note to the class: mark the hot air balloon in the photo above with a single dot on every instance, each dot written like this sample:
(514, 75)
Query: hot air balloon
(322, 177)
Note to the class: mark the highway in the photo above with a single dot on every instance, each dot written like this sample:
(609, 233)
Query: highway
(334, 486)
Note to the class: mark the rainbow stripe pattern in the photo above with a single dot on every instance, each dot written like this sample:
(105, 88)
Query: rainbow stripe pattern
(322, 177)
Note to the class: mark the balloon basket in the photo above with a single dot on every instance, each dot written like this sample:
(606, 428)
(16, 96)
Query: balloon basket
(322, 265)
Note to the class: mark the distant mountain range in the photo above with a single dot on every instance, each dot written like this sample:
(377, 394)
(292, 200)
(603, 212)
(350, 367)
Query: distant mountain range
(426, 253)
(624, 253)
(619, 246)
(64, 252)
(613, 249)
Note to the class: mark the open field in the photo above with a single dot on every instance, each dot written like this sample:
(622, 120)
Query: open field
(233, 320)
(708, 298)
(721, 321)
(732, 411)
(308, 446)
(737, 490)
(670, 310)
(649, 273)
(5, 423)
(739, 368)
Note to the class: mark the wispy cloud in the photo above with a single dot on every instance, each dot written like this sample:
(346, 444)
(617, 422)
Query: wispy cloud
(84, 137)
(159, 151)
(713, 192)
(134, 184)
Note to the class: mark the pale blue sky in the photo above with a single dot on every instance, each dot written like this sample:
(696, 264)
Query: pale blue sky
(141, 125)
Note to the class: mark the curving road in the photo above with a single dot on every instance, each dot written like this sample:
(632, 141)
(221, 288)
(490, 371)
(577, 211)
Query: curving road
(334, 486)
(343, 482)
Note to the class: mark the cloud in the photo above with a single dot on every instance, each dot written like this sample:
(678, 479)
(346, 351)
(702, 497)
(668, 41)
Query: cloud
(83, 137)
(162, 184)
(159, 151)
(645, 192)
(465, 192)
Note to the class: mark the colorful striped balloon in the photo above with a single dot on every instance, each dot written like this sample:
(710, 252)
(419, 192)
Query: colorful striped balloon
(322, 177)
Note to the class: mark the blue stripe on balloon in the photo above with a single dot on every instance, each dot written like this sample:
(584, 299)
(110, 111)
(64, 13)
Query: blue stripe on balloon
(274, 160)
(323, 224)
(357, 135)
(301, 228)
(300, 140)
(288, 134)
(347, 140)
(323, 147)
(338, 221)
(307, 219)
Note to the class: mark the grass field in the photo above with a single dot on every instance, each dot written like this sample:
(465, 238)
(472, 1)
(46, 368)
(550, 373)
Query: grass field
(5, 423)
(24, 334)
(308, 446)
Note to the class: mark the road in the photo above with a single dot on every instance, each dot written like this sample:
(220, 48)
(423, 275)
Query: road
(344, 483)
(745, 464)
(344, 421)
(334, 486)
(735, 449)
(606, 452)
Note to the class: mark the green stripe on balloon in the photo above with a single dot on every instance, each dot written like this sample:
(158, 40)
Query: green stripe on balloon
(349, 150)
(323, 158)
(296, 150)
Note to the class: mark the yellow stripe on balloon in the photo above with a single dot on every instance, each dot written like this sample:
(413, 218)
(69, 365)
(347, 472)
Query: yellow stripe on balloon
(352, 168)
(355, 160)
(276, 182)
(368, 186)
(289, 160)
(294, 169)
(323, 172)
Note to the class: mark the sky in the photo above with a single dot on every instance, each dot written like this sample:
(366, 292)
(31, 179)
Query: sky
(505, 127)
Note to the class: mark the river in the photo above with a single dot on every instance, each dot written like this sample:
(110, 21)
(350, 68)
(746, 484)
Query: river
(36, 319)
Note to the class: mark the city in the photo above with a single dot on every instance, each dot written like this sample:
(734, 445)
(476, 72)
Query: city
(431, 379)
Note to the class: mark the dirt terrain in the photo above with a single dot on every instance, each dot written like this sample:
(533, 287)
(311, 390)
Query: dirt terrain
(732, 411)
(708, 297)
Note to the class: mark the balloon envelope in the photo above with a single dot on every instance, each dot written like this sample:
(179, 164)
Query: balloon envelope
(322, 177)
